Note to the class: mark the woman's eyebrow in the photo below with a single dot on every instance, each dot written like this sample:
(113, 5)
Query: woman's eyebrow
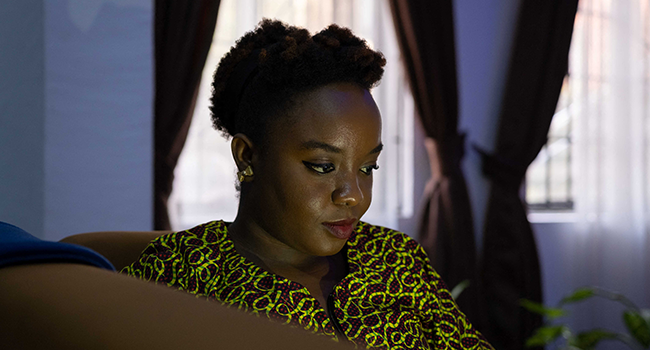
(313, 144)
(377, 149)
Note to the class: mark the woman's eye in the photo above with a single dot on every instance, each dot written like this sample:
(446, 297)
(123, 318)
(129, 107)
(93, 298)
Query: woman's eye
(368, 169)
(323, 168)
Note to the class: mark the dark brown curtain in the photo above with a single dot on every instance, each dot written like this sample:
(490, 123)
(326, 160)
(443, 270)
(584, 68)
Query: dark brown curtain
(510, 266)
(425, 32)
(183, 34)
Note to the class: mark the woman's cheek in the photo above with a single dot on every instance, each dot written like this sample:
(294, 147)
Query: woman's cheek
(320, 195)
(367, 194)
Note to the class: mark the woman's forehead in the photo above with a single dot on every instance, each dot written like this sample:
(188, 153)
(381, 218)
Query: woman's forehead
(342, 116)
(336, 97)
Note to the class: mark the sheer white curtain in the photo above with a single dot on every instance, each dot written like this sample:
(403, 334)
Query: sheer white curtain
(610, 70)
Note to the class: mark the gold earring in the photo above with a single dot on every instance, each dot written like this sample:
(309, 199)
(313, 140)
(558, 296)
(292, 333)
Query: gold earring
(246, 172)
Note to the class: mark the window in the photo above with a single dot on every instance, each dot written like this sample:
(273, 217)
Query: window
(204, 185)
(549, 177)
(598, 150)
(601, 55)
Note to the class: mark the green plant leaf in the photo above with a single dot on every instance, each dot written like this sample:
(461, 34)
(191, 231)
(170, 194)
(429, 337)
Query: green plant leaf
(617, 297)
(638, 327)
(550, 312)
(589, 339)
(645, 313)
(578, 295)
(545, 335)
(459, 288)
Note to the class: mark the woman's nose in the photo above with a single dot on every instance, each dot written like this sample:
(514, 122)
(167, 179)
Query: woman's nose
(348, 193)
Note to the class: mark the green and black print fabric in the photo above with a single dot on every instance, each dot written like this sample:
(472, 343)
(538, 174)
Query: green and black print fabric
(391, 297)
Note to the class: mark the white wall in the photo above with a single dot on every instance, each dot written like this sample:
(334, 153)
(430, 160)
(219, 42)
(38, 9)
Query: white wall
(76, 133)
(99, 99)
(22, 78)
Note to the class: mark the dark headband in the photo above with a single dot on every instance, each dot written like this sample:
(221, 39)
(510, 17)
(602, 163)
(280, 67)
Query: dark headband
(241, 77)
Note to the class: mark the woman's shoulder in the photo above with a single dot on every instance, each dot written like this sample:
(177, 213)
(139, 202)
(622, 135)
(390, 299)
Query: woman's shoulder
(160, 259)
(209, 237)
(209, 233)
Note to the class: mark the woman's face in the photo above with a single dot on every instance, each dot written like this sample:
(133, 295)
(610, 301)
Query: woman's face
(313, 179)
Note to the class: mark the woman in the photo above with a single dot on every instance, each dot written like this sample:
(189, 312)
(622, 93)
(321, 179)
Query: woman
(306, 135)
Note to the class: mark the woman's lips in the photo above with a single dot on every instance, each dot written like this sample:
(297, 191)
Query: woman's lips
(341, 229)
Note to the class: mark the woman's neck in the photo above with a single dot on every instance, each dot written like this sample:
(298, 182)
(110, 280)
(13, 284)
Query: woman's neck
(319, 274)
(259, 246)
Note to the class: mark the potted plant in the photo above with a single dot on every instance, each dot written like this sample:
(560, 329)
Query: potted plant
(636, 320)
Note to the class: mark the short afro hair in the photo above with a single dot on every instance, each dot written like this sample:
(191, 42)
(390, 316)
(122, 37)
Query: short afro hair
(290, 61)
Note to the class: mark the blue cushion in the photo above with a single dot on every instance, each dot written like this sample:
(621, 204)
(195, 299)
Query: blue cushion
(19, 247)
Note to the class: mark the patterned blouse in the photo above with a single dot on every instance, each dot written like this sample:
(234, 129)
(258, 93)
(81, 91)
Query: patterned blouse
(391, 297)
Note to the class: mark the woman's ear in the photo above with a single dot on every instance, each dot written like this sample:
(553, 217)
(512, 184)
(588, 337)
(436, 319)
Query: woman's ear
(243, 151)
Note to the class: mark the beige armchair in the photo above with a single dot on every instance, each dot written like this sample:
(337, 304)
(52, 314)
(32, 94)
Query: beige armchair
(121, 248)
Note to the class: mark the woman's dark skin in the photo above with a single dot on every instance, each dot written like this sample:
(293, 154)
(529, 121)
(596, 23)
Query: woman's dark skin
(314, 167)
